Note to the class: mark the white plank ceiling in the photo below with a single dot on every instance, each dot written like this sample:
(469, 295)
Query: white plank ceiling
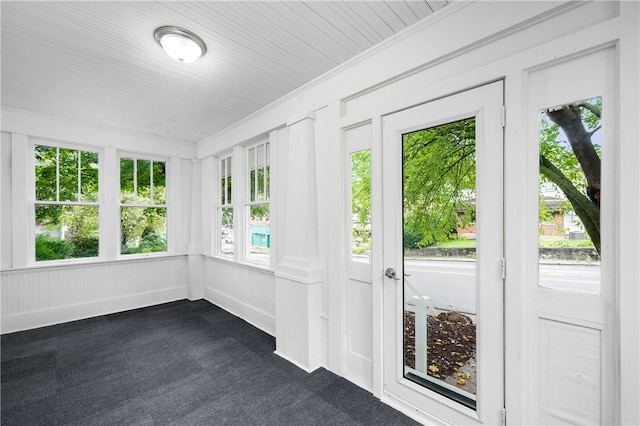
(97, 61)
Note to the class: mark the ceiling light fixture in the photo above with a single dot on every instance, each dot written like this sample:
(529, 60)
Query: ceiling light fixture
(182, 45)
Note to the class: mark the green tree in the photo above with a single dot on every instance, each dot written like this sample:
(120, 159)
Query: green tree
(574, 165)
(439, 180)
(143, 219)
(361, 198)
(66, 176)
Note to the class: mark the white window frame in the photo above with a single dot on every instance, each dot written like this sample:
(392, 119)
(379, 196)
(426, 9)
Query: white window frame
(241, 201)
(166, 204)
(226, 174)
(252, 153)
(33, 202)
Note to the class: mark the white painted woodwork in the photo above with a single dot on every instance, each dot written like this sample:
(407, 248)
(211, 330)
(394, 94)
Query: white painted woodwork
(357, 295)
(243, 290)
(485, 104)
(299, 233)
(108, 58)
(298, 272)
(389, 61)
(162, 108)
(298, 322)
(564, 327)
(6, 210)
(628, 270)
(331, 232)
(37, 297)
(358, 366)
(20, 214)
(110, 210)
(196, 261)
(73, 131)
(208, 197)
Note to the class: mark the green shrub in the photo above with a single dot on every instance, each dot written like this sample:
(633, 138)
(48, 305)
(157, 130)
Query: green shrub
(50, 248)
(86, 247)
(412, 239)
(150, 243)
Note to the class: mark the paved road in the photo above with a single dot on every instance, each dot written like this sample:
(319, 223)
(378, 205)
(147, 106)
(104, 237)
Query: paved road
(451, 284)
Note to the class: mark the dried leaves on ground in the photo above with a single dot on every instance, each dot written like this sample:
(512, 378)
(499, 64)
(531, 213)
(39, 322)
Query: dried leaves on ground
(450, 344)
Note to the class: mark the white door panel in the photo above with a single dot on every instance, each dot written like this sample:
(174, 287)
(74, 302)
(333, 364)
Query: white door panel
(471, 392)
(571, 353)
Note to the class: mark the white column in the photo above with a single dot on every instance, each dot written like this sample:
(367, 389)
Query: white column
(298, 273)
(195, 259)
(110, 207)
(22, 196)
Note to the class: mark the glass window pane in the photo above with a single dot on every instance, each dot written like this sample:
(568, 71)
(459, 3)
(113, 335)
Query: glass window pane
(439, 187)
(159, 182)
(268, 172)
(252, 186)
(64, 232)
(229, 179)
(46, 177)
(223, 191)
(569, 193)
(259, 234)
(261, 184)
(89, 176)
(225, 231)
(261, 155)
(225, 181)
(268, 183)
(361, 206)
(127, 188)
(143, 230)
(68, 174)
(143, 182)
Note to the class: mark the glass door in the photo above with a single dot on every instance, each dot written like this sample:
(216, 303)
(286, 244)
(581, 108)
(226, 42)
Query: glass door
(442, 193)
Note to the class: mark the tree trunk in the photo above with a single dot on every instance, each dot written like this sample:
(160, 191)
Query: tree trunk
(588, 213)
(569, 119)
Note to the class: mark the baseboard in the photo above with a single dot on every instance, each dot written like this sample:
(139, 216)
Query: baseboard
(410, 410)
(256, 317)
(45, 317)
(302, 367)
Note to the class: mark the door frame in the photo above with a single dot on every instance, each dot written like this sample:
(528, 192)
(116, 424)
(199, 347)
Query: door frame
(486, 104)
(588, 74)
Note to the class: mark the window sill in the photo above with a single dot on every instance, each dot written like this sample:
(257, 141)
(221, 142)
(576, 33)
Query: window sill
(79, 263)
(241, 264)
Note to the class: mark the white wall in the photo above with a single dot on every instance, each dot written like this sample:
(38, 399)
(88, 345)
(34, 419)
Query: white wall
(500, 41)
(245, 291)
(43, 296)
(463, 46)
(37, 294)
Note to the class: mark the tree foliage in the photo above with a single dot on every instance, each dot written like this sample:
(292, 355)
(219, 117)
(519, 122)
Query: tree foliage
(143, 216)
(439, 174)
(65, 179)
(361, 200)
(439, 178)
(574, 164)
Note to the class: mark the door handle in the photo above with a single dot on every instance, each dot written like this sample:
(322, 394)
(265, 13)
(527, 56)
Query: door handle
(391, 273)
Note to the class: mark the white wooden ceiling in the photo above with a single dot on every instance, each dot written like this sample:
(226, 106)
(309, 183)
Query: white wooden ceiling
(97, 61)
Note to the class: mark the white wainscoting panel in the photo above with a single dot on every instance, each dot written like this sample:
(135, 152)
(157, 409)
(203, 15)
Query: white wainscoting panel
(359, 356)
(245, 291)
(570, 373)
(39, 297)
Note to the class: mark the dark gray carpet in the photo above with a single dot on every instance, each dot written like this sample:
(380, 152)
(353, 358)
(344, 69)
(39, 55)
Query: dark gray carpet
(180, 363)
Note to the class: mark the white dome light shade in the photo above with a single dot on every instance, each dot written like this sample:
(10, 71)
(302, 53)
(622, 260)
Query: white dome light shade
(180, 44)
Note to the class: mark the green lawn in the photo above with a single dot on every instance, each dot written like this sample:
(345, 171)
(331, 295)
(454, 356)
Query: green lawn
(543, 243)
(565, 243)
(457, 243)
